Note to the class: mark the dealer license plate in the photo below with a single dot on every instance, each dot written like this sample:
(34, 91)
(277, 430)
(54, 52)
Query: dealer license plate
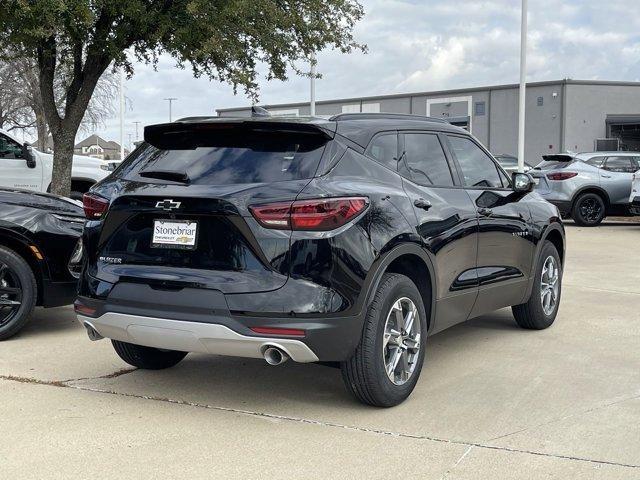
(181, 234)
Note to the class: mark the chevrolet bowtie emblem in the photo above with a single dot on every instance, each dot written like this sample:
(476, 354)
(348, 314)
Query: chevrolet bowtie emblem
(168, 204)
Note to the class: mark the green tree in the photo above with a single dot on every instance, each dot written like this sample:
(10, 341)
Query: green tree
(222, 39)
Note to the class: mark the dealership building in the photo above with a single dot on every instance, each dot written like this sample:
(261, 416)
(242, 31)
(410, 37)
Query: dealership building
(564, 115)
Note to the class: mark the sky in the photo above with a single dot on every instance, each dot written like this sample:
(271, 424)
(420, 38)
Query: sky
(420, 45)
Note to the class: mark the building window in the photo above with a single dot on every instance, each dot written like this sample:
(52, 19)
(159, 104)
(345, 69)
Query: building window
(370, 108)
(540, 101)
(480, 109)
(352, 108)
(284, 112)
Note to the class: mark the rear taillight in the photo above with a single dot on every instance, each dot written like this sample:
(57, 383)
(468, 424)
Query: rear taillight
(561, 175)
(94, 206)
(316, 215)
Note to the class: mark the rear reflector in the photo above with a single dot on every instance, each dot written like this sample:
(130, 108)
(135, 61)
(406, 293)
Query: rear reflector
(311, 215)
(561, 175)
(290, 332)
(94, 206)
(82, 309)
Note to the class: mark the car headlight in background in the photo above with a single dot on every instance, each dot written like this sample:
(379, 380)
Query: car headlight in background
(69, 218)
(75, 262)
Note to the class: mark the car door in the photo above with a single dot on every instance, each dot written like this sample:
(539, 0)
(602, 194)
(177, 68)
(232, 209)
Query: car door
(505, 241)
(616, 176)
(14, 172)
(446, 221)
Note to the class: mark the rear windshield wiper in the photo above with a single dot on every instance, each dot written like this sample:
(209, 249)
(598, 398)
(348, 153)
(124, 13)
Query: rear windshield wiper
(171, 175)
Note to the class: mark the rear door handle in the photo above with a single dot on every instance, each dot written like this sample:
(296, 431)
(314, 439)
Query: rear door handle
(485, 212)
(422, 203)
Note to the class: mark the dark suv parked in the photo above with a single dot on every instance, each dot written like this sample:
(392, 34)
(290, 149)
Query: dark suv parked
(345, 241)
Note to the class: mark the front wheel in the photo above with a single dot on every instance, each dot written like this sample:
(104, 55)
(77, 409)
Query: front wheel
(147, 358)
(542, 307)
(386, 365)
(18, 292)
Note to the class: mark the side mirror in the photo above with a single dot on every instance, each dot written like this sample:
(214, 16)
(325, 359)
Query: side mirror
(28, 155)
(522, 182)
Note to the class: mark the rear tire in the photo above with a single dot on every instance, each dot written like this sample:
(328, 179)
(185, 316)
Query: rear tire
(147, 358)
(588, 210)
(17, 283)
(365, 373)
(536, 314)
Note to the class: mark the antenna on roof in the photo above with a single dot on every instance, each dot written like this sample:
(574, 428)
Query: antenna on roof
(259, 112)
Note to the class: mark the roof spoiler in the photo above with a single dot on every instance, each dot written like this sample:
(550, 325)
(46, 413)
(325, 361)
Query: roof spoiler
(173, 136)
(558, 157)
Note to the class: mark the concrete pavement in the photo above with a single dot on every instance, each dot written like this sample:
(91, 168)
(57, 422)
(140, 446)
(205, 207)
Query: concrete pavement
(493, 401)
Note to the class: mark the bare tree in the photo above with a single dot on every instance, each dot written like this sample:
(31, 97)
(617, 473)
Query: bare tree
(21, 105)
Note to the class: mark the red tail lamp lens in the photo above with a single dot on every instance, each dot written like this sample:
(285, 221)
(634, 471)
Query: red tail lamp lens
(310, 215)
(561, 175)
(290, 332)
(94, 206)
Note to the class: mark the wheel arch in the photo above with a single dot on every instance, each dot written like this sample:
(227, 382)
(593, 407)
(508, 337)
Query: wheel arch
(82, 183)
(554, 233)
(413, 261)
(591, 189)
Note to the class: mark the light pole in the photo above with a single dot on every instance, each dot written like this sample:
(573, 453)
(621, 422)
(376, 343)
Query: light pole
(523, 86)
(136, 124)
(121, 114)
(170, 100)
(312, 103)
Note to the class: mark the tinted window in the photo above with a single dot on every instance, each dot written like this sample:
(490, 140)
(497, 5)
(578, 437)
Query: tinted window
(9, 148)
(619, 164)
(425, 160)
(253, 157)
(478, 169)
(384, 149)
(595, 161)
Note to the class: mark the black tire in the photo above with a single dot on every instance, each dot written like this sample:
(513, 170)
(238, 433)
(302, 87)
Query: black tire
(147, 358)
(531, 315)
(589, 210)
(364, 374)
(15, 273)
(76, 195)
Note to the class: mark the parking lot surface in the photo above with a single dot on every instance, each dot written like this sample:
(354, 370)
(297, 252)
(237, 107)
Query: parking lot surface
(493, 401)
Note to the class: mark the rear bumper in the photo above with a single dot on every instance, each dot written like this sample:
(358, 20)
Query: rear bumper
(57, 294)
(192, 336)
(564, 206)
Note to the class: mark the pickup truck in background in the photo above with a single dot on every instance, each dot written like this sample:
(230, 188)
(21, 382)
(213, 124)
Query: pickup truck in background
(24, 167)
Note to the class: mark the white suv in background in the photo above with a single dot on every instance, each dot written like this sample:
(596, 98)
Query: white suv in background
(634, 199)
(26, 168)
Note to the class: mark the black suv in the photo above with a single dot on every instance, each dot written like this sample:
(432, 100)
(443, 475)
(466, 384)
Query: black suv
(345, 241)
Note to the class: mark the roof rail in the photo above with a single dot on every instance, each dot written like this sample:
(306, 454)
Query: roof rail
(381, 116)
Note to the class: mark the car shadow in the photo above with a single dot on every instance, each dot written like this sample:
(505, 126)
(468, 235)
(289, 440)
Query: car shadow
(49, 321)
(251, 384)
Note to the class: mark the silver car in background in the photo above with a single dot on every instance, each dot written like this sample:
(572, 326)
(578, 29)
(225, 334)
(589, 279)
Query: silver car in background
(588, 186)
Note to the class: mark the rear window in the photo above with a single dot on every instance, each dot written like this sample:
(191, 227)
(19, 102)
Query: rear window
(222, 159)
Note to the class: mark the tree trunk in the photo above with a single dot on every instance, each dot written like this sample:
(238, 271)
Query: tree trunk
(41, 127)
(63, 143)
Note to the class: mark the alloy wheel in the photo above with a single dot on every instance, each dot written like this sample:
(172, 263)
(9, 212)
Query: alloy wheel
(590, 210)
(401, 341)
(549, 285)
(10, 294)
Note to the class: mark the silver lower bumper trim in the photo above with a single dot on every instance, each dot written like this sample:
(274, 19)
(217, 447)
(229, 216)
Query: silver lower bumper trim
(191, 337)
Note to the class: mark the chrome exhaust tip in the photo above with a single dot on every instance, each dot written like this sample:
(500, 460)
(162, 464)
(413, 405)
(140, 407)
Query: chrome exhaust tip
(92, 332)
(275, 356)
